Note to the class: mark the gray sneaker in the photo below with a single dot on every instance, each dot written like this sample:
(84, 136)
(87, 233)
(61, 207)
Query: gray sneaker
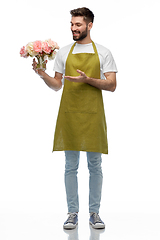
(95, 221)
(71, 222)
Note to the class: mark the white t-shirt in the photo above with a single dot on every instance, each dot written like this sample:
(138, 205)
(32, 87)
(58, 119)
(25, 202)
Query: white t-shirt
(107, 63)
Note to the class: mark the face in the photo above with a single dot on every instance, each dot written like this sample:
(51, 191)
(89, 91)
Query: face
(79, 28)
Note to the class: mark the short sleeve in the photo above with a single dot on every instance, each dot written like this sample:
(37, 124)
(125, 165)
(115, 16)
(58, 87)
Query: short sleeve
(59, 63)
(109, 64)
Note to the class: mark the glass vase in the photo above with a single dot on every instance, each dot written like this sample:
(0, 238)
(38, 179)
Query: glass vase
(41, 64)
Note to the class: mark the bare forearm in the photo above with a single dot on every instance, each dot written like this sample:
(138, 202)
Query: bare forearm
(102, 84)
(54, 83)
(50, 81)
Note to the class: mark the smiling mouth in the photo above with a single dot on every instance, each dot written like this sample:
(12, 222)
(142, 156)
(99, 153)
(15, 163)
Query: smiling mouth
(75, 33)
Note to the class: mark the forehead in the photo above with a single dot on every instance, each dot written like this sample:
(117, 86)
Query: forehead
(78, 19)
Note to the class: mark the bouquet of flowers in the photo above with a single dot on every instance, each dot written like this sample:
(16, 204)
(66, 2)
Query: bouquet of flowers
(41, 50)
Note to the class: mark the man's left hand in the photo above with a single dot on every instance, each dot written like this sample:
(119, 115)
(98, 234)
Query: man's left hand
(81, 78)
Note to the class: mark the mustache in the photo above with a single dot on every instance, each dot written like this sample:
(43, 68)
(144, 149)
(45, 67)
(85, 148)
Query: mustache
(75, 31)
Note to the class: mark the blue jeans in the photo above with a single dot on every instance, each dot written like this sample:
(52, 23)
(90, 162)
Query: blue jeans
(95, 180)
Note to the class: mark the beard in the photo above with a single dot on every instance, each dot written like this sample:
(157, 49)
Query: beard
(81, 36)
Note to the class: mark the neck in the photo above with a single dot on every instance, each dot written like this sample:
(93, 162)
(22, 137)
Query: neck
(86, 40)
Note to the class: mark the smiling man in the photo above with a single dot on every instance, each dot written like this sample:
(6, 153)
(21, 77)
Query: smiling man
(77, 23)
(85, 69)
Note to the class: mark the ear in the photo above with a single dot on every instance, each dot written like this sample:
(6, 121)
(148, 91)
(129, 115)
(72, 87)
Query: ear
(90, 25)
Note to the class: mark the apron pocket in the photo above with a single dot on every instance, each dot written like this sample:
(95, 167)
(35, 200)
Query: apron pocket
(81, 101)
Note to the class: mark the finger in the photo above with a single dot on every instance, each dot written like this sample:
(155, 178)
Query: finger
(79, 71)
(34, 63)
(69, 78)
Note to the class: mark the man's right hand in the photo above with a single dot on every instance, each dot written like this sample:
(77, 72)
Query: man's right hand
(38, 71)
(53, 82)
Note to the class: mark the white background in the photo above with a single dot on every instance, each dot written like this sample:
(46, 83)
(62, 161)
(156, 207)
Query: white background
(31, 176)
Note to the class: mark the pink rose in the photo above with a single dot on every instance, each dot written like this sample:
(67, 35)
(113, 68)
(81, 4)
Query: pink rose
(46, 48)
(23, 52)
(37, 46)
(52, 44)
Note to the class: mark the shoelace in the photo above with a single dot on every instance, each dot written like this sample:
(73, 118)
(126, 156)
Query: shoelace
(71, 217)
(96, 218)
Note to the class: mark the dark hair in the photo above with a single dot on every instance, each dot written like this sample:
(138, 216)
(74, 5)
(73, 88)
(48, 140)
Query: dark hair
(84, 12)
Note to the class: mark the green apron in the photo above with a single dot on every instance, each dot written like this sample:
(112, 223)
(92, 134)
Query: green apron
(81, 124)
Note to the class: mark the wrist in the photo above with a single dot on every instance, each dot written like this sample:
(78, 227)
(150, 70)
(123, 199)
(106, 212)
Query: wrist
(41, 73)
(88, 80)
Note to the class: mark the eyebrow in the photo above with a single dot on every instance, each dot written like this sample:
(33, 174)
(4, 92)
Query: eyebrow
(76, 23)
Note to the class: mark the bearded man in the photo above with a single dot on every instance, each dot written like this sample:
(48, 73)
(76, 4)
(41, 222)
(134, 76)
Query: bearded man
(84, 69)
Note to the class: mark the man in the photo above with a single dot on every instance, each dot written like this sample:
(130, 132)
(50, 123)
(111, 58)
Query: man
(81, 126)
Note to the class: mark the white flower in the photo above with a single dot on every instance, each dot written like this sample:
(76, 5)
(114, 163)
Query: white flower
(52, 56)
(30, 49)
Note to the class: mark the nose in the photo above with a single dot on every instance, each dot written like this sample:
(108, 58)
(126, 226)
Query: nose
(73, 28)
